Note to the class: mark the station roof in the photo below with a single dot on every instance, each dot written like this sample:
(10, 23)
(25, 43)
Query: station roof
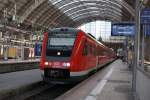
(56, 13)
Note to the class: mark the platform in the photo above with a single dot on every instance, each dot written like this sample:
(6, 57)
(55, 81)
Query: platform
(111, 83)
(17, 82)
(12, 61)
(18, 65)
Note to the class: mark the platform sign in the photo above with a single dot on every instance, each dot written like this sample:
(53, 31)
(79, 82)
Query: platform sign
(145, 16)
(123, 29)
(145, 20)
(38, 48)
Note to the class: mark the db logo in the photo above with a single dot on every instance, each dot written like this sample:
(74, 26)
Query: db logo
(56, 63)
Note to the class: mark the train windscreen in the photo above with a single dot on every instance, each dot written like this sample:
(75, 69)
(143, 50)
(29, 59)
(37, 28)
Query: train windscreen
(61, 41)
(60, 44)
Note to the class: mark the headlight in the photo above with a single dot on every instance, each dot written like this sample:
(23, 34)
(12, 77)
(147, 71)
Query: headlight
(66, 64)
(46, 63)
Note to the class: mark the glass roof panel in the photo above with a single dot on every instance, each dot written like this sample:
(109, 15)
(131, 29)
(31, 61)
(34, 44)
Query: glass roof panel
(88, 2)
(76, 8)
(93, 9)
(93, 13)
(82, 19)
(71, 7)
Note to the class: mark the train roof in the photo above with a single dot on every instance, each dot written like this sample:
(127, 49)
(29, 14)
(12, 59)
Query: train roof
(104, 46)
(64, 29)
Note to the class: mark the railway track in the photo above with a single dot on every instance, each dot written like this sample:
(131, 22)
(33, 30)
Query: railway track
(51, 93)
(43, 92)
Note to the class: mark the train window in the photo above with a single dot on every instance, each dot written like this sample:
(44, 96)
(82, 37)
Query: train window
(90, 50)
(102, 53)
(105, 53)
(61, 41)
(97, 51)
(85, 49)
(94, 51)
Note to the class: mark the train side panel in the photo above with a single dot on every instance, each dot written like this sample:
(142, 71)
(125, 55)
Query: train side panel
(83, 63)
(43, 55)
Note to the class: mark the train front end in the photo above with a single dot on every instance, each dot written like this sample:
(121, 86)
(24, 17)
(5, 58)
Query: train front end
(56, 55)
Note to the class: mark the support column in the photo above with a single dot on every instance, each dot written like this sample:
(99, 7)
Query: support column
(137, 45)
(22, 47)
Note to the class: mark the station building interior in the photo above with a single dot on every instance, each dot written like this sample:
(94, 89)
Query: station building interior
(23, 23)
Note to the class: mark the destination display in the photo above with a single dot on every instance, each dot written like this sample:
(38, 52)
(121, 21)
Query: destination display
(145, 16)
(145, 21)
(123, 29)
(62, 34)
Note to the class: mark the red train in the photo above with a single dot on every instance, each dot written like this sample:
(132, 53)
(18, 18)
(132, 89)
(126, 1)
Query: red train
(69, 55)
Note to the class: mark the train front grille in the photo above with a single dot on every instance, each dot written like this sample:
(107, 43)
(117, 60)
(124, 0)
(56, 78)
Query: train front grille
(56, 73)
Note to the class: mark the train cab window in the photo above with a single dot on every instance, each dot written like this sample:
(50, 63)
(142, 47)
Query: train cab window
(60, 44)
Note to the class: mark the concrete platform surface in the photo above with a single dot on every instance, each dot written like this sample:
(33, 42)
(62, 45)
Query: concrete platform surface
(12, 61)
(14, 82)
(18, 65)
(111, 83)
